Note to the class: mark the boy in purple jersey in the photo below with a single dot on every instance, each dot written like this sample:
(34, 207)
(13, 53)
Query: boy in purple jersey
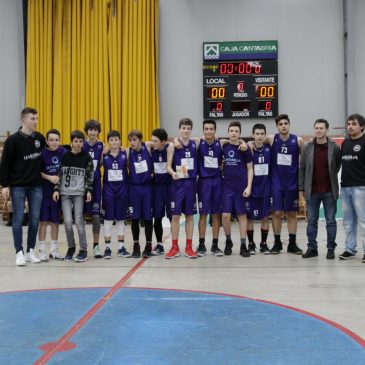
(161, 184)
(210, 186)
(260, 195)
(95, 149)
(50, 211)
(140, 191)
(237, 184)
(183, 167)
(284, 170)
(115, 193)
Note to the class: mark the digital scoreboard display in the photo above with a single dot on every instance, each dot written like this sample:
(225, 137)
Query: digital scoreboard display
(240, 79)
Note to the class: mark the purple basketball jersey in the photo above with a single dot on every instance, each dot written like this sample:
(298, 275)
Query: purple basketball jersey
(50, 165)
(285, 163)
(187, 156)
(159, 159)
(140, 166)
(261, 167)
(209, 159)
(235, 167)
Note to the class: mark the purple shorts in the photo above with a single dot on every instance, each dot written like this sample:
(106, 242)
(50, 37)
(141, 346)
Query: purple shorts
(210, 195)
(50, 210)
(183, 197)
(162, 200)
(234, 202)
(285, 201)
(141, 201)
(94, 207)
(115, 208)
(259, 208)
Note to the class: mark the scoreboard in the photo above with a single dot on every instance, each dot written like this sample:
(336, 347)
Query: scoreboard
(240, 79)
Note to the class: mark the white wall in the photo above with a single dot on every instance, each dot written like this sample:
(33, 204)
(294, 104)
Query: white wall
(311, 63)
(12, 78)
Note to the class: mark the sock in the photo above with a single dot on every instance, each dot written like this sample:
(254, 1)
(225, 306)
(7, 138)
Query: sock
(250, 236)
(243, 242)
(120, 244)
(95, 244)
(215, 242)
(53, 245)
(189, 242)
(107, 244)
(264, 233)
(228, 237)
(174, 243)
(292, 238)
(201, 241)
(277, 238)
(42, 246)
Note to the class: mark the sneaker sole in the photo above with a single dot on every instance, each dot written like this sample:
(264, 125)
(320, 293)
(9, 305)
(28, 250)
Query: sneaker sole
(266, 253)
(172, 257)
(200, 254)
(252, 253)
(107, 257)
(219, 254)
(21, 264)
(125, 256)
(191, 257)
(56, 258)
(98, 256)
(83, 260)
(157, 253)
(346, 258)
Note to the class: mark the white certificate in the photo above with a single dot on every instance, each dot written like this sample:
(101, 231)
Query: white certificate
(261, 169)
(160, 167)
(284, 160)
(188, 163)
(115, 175)
(211, 162)
(141, 167)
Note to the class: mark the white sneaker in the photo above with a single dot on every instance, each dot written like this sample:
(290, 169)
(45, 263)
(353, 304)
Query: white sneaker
(20, 259)
(55, 255)
(43, 256)
(31, 257)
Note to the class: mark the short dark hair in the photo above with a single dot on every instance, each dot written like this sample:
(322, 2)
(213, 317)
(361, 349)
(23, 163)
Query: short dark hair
(53, 131)
(258, 126)
(235, 124)
(113, 133)
(135, 133)
(280, 117)
(28, 110)
(185, 121)
(77, 134)
(92, 124)
(209, 121)
(322, 121)
(160, 133)
(357, 117)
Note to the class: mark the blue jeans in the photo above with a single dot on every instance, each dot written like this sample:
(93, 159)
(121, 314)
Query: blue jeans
(330, 208)
(353, 208)
(33, 194)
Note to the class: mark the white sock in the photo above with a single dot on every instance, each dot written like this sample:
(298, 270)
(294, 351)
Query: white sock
(120, 244)
(42, 246)
(53, 245)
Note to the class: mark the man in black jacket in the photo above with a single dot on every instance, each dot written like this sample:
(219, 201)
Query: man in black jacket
(20, 177)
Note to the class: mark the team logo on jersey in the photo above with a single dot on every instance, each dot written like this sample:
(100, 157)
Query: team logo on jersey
(200, 205)
(357, 148)
(96, 206)
(55, 159)
(37, 143)
(231, 154)
(130, 210)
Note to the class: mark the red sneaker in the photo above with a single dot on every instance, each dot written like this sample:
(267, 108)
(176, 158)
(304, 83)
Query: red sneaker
(189, 252)
(174, 252)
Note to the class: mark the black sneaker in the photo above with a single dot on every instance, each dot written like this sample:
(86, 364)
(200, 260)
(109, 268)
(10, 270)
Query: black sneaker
(201, 250)
(363, 259)
(264, 249)
(276, 249)
(136, 251)
(107, 253)
(228, 248)
(244, 251)
(81, 256)
(158, 250)
(122, 252)
(70, 253)
(147, 252)
(330, 254)
(346, 255)
(252, 248)
(310, 253)
(293, 248)
(216, 251)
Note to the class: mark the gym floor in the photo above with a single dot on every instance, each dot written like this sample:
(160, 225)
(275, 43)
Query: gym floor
(263, 310)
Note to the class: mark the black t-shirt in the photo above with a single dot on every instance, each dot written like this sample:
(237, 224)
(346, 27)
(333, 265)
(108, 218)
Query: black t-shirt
(353, 162)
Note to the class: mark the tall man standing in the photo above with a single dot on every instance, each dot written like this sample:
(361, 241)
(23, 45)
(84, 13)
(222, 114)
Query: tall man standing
(319, 166)
(353, 184)
(20, 177)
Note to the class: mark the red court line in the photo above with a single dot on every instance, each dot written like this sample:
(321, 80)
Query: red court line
(60, 344)
(343, 329)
